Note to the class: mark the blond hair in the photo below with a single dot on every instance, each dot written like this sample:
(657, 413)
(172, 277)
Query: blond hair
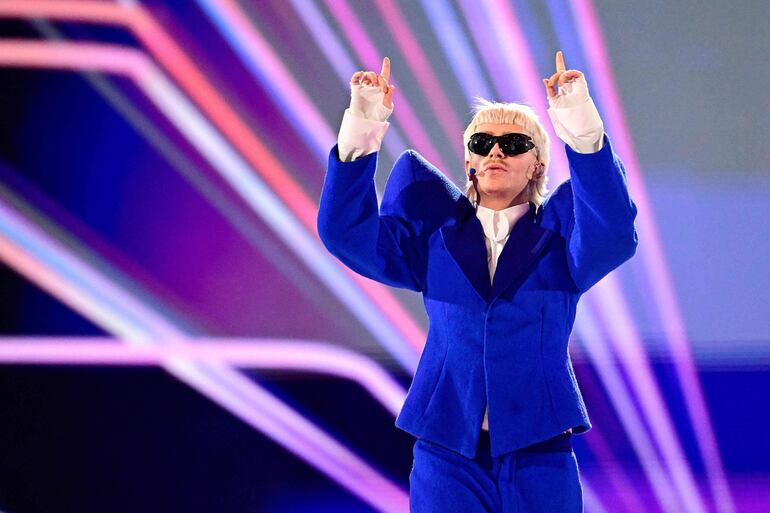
(485, 111)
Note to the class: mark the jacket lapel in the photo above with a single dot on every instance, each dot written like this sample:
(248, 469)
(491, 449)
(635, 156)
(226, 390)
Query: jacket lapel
(465, 242)
(525, 243)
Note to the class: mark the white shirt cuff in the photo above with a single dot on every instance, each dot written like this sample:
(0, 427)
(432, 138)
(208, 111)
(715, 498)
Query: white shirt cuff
(575, 118)
(359, 136)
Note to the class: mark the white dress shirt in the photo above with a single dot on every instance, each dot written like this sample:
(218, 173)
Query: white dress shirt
(497, 225)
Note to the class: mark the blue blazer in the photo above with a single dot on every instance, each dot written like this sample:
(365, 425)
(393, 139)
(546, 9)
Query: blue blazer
(501, 344)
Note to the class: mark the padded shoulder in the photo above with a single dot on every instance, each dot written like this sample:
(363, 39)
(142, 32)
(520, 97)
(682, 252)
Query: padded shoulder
(558, 209)
(419, 193)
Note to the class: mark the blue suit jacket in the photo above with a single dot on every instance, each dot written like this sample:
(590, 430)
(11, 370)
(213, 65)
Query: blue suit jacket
(501, 344)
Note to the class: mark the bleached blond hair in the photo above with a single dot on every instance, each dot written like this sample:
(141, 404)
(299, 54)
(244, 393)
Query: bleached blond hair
(485, 111)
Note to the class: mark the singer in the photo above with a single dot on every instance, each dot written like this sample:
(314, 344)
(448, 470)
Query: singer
(501, 265)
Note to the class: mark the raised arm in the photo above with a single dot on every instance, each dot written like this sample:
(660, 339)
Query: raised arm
(597, 213)
(365, 122)
(383, 248)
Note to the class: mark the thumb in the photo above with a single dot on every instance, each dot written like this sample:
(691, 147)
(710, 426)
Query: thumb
(388, 100)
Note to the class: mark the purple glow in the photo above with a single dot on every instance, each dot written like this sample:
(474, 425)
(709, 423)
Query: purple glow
(509, 35)
(658, 274)
(402, 336)
(265, 66)
(52, 266)
(457, 49)
(598, 354)
(487, 50)
(288, 354)
(371, 58)
(338, 58)
(422, 69)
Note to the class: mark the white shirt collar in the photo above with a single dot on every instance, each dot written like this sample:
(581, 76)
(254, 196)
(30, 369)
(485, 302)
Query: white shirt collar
(497, 224)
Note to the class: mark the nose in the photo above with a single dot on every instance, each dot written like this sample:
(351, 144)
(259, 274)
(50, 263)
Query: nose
(496, 151)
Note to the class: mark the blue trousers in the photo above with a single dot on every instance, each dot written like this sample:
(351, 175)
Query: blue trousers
(541, 478)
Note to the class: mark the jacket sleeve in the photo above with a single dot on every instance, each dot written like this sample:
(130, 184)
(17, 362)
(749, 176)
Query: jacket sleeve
(601, 233)
(380, 247)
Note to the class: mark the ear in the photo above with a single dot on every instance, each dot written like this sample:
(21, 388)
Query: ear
(467, 169)
(537, 171)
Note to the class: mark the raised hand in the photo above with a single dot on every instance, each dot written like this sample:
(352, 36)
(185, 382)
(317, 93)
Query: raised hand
(371, 78)
(561, 77)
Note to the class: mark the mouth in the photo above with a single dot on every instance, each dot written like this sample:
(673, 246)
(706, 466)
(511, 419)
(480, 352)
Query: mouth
(495, 169)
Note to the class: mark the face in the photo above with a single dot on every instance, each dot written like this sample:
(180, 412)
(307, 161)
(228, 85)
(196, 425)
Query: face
(502, 179)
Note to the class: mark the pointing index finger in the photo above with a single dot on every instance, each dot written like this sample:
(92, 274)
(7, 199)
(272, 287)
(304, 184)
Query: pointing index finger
(560, 62)
(385, 68)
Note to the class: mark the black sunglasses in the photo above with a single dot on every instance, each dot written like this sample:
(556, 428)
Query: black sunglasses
(510, 144)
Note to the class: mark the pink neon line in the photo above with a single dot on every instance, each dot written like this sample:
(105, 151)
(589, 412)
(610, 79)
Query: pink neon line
(422, 69)
(626, 496)
(628, 414)
(182, 68)
(654, 260)
(193, 81)
(381, 296)
(79, 56)
(90, 291)
(292, 355)
(372, 59)
(166, 51)
(502, 18)
(487, 50)
(628, 345)
(510, 35)
(16, 259)
(276, 69)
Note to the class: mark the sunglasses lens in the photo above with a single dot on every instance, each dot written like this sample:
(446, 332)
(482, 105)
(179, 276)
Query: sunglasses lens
(515, 144)
(510, 144)
(480, 143)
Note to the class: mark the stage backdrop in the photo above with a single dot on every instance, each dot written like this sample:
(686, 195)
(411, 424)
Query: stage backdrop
(174, 336)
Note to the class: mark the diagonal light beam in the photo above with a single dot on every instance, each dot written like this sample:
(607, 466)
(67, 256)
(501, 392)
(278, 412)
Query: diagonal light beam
(401, 336)
(371, 58)
(654, 261)
(66, 275)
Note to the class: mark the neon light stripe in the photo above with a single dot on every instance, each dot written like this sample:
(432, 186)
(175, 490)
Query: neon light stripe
(263, 63)
(342, 63)
(45, 262)
(255, 235)
(254, 353)
(629, 348)
(506, 86)
(447, 29)
(261, 60)
(422, 70)
(229, 164)
(654, 260)
(588, 332)
(509, 35)
(372, 59)
(185, 72)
